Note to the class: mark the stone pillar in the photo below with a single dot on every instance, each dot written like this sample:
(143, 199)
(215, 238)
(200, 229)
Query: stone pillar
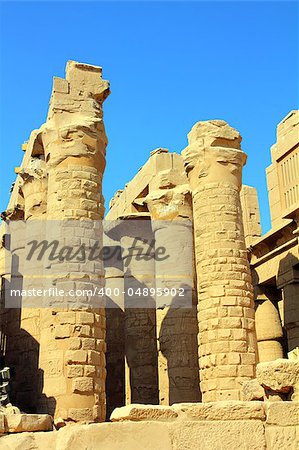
(72, 341)
(269, 331)
(115, 332)
(169, 203)
(227, 340)
(2, 291)
(250, 214)
(34, 190)
(291, 313)
(136, 238)
(288, 281)
(12, 278)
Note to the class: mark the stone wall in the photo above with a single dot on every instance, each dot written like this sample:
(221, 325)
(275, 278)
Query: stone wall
(224, 425)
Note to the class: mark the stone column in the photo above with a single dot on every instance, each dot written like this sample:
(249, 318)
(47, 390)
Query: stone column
(73, 337)
(12, 278)
(169, 203)
(291, 313)
(136, 238)
(34, 190)
(227, 340)
(115, 332)
(288, 281)
(2, 291)
(269, 331)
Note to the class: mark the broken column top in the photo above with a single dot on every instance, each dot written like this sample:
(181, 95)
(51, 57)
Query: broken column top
(208, 134)
(215, 150)
(82, 83)
(215, 133)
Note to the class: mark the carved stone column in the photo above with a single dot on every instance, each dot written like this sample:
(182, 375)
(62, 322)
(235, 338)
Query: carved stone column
(115, 332)
(13, 245)
(72, 347)
(227, 340)
(136, 238)
(29, 376)
(169, 203)
(291, 308)
(269, 331)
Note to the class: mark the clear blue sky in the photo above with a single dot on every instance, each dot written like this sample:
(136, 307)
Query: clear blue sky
(169, 64)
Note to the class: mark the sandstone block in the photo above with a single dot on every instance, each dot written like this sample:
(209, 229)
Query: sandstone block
(282, 413)
(88, 343)
(2, 423)
(75, 371)
(60, 85)
(81, 414)
(74, 343)
(62, 331)
(85, 317)
(89, 371)
(280, 375)
(226, 410)
(246, 371)
(82, 330)
(227, 394)
(16, 423)
(252, 390)
(66, 317)
(281, 438)
(224, 435)
(94, 357)
(82, 384)
(143, 412)
(76, 356)
(115, 436)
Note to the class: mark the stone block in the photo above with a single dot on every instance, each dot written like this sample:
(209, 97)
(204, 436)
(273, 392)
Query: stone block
(226, 394)
(2, 423)
(82, 330)
(82, 384)
(94, 357)
(75, 371)
(60, 85)
(281, 438)
(280, 375)
(224, 435)
(66, 317)
(252, 390)
(282, 413)
(143, 412)
(80, 414)
(74, 343)
(62, 331)
(246, 371)
(89, 371)
(75, 356)
(226, 410)
(88, 343)
(16, 423)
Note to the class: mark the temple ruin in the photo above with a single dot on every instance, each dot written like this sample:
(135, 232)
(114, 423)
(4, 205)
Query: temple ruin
(221, 368)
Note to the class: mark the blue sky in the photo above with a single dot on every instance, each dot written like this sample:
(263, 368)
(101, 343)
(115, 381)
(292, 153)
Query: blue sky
(169, 64)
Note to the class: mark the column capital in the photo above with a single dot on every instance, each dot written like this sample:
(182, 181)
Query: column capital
(170, 204)
(214, 154)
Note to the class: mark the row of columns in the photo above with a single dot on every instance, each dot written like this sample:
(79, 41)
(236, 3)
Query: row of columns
(62, 183)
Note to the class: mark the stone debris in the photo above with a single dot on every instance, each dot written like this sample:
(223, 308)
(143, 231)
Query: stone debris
(17, 423)
(252, 390)
(280, 376)
(143, 412)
